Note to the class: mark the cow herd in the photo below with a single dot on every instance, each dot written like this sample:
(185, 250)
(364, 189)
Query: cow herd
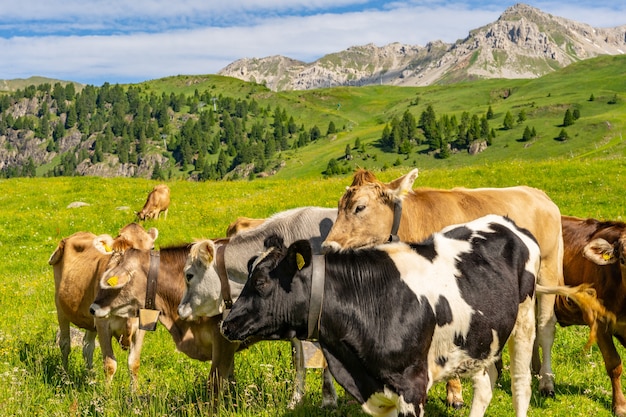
(401, 287)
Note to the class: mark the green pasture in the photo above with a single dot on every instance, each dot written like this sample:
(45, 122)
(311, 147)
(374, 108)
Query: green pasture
(34, 217)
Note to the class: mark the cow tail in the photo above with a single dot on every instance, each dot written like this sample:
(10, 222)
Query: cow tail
(584, 299)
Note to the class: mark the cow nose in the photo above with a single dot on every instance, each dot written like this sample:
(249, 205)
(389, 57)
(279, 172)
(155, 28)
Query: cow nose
(92, 310)
(330, 246)
(184, 311)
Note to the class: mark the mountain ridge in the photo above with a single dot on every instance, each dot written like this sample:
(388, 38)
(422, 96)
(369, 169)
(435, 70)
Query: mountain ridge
(524, 42)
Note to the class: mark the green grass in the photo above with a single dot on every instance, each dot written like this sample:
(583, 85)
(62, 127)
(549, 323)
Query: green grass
(34, 218)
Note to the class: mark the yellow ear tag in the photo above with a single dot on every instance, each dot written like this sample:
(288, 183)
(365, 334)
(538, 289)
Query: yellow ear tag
(107, 248)
(606, 256)
(112, 281)
(299, 261)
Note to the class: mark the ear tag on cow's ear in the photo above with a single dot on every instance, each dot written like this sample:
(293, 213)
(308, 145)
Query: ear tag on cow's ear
(607, 256)
(112, 281)
(107, 248)
(299, 261)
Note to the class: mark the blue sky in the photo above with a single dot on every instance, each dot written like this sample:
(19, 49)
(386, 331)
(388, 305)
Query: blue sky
(121, 41)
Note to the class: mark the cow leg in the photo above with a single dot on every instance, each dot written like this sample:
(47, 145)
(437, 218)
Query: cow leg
(64, 339)
(484, 381)
(108, 357)
(329, 394)
(613, 366)
(89, 344)
(521, 351)
(222, 373)
(134, 356)
(297, 357)
(455, 393)
(546, 326)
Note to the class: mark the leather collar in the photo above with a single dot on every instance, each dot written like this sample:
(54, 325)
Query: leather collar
(153, 274)
(397, 215)
(318, 274)
(220, 265)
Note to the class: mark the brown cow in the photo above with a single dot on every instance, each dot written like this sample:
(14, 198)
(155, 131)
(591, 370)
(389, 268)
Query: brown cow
(158, 201)
(78, 265)
(366, 217)
(595, 253)
(241, 224)
(119, 295)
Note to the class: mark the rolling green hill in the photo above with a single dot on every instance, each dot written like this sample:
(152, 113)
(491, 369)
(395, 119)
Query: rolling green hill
(362, 112)
(593, 89)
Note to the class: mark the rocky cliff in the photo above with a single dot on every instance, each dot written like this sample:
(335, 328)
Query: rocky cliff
(523, 43)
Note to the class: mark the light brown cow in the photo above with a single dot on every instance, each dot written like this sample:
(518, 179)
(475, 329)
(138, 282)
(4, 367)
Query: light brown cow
(366, 217)
(119, 295)
(78, 265)
(241, 224)
(158, 201)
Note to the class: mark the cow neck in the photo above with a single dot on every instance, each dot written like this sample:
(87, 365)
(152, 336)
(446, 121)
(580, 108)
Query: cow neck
(397, 216)
(317, 295)
(153, 273)
(220, 265)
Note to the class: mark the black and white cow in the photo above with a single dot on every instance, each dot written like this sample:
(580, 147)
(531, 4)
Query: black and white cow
(396, 318)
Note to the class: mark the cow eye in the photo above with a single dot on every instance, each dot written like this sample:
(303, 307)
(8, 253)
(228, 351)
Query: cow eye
(188, 278)
(261, 285)
(359, 209)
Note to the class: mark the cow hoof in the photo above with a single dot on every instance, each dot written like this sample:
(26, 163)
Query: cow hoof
(457, 405)
(329, 402)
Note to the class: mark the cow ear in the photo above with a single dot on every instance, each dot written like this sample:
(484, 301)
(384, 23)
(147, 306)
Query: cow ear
(206, 251)
(400, 187)
(153, 233)
(300, 254)
(104, 244)
(600, 252)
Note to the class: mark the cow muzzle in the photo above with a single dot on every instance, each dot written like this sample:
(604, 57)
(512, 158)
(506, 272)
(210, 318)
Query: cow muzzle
(98, 311)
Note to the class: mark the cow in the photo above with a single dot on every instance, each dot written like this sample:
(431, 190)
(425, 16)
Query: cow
(122, 293)
(158, 202)
(395, 318)
(78, 262)
(595, 254)
(204, 297)
(241, 224)
(371, 211)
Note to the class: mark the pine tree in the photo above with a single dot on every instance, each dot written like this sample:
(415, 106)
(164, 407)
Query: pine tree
(568, 119)
(508, 121)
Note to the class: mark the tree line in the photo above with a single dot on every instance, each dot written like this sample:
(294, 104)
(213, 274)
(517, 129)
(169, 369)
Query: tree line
(131, 123)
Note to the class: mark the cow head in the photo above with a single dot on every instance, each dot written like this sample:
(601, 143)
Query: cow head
(120, 292)
(130, 236)
(275, 299)
(203, 296)
(366, 211)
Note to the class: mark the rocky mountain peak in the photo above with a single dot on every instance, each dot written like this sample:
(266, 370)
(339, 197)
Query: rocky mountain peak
(523, 42)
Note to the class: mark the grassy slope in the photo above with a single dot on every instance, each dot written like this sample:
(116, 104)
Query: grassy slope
(35, 217)
(583, 176)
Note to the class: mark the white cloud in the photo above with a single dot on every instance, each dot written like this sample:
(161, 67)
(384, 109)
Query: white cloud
(140, 40)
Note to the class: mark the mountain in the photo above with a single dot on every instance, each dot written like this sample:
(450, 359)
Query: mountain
(523, 43)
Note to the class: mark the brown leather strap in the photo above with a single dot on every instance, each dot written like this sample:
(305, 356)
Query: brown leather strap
(153, 274)
(318, 273)
(397, 215)
(220, 265)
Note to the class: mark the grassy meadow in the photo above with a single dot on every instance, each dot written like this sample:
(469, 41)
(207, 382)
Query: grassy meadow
(35, 217)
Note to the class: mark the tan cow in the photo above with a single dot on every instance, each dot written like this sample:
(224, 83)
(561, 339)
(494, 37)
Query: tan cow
(241, 224)
(366, 217)
(122, 293)
(158, 201)
(78, 265)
